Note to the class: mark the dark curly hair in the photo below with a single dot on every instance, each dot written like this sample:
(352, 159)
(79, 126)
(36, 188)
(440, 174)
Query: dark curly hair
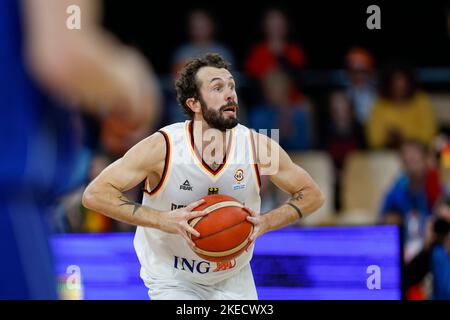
(187, 84)
(387, 75)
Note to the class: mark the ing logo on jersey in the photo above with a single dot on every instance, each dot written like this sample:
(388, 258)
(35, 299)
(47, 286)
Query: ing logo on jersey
(239, 175)
(213, 190)
(201, 266)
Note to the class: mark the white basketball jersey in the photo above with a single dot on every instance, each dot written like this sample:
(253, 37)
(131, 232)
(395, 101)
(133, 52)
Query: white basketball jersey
(185, 179)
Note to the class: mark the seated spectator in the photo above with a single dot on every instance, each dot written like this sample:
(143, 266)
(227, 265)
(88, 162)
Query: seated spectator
(410, 200)
(440, 265)
(434, 258)
(441, 149)
(361, 90)
(278, 112)
(401, 112)
(342, 136)
(277, 53)
(201, 30)
(94, 221)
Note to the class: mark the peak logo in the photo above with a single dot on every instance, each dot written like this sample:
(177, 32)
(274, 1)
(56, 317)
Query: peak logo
(186, 186)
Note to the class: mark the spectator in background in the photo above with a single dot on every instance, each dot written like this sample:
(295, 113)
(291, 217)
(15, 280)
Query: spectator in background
(401, 111)
(50, 75)
(441, 149)
(71, 216)
(201, 32)
(277, 53)
(361, 90)
(411, 199)
(343, 135)
(440, 266)
(279, 112)
(434, 258)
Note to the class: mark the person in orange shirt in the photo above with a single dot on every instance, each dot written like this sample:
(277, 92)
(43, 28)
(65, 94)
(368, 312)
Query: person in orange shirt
(401, 112)
(277, 53)
(360, 86)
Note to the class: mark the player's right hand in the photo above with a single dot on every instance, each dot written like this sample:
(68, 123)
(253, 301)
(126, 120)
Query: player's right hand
(176, 221)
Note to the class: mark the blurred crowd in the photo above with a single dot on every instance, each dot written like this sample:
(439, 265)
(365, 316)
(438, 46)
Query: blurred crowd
(380, 106)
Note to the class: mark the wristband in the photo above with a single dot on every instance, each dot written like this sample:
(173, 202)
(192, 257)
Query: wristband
(296, 209)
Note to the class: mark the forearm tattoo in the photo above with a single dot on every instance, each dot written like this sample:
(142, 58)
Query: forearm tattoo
(125, 201)
(297, 196)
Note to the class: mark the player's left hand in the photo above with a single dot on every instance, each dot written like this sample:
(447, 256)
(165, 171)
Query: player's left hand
(259, 224)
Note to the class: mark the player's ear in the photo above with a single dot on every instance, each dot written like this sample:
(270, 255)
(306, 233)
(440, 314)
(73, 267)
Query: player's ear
(193, 104)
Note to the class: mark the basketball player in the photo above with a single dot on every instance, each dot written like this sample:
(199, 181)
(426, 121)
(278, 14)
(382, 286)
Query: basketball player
(177, 174)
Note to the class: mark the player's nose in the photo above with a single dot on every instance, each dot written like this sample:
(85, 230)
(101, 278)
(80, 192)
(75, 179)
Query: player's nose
(230, 95)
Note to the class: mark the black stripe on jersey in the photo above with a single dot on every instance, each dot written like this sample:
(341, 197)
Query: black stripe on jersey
(166, 165)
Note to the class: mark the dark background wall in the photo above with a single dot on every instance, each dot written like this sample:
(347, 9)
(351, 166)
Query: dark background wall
(417, 32)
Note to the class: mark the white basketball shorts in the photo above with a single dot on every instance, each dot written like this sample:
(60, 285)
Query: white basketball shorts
(239, 287)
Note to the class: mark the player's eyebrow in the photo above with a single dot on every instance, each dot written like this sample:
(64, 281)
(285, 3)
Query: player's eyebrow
(218, 78)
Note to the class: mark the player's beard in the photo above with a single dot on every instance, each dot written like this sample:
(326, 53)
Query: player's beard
(215, 119)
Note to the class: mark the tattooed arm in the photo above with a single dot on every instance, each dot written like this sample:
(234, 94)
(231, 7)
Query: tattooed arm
(289, 177)
(105, 193)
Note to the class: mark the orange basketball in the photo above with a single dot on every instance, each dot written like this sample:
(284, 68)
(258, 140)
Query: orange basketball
(224, 231)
